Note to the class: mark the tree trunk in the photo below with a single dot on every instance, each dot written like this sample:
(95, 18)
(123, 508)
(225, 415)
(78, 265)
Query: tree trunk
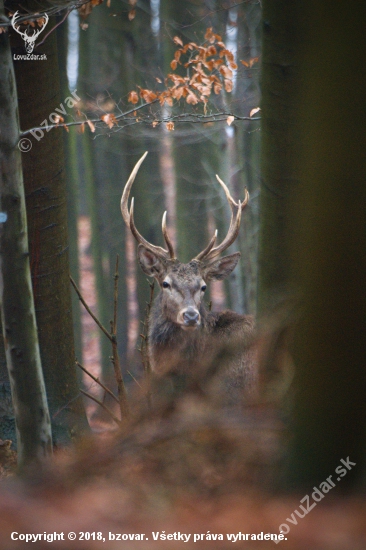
(44, 180)
(329, 245)
(72, 185)
(17, 308)
(280, 82)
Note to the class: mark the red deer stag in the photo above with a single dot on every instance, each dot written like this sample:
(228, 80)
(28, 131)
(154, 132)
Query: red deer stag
(183, 334)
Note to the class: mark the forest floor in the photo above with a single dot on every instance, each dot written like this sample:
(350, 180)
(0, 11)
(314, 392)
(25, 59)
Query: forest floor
(184, 468)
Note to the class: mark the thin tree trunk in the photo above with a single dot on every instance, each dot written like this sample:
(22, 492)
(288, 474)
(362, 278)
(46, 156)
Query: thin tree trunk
(17, 308)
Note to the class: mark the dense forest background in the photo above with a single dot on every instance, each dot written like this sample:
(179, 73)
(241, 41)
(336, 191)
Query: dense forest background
(103, 56)
(302, 244)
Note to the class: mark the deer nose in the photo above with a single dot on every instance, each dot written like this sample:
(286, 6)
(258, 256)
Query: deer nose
(190, 316)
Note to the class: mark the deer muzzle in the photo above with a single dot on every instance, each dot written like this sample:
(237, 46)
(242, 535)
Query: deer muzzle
(189, 318)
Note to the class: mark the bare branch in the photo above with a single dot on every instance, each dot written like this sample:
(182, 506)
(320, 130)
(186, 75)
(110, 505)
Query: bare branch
(97, 381)
(130, 120)
(123, 402)
(117, 420)
(90, 311)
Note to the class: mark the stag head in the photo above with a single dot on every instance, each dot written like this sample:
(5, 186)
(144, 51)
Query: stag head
(183, 285)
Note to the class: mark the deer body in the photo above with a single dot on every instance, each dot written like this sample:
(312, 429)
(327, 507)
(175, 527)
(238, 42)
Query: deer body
(173, 351)
(185, 339)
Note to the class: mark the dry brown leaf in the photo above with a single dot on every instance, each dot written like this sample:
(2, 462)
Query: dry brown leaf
(155, 123)
(230, 119)
(169, 101)
(91, 125)
(177, 93)
(228, 85)
(131, 14)
(252, 61)
(133, 97)
(254, 111)
(177, 41)
(87, 8)
(210, 35)
(192, 99)
(226, 72)
(218, 63)
(148, 95)
(170, 126)
(173, 64)
(58, 119)
(109, 119)
(217, 87)
(81, 128)
(211, 50)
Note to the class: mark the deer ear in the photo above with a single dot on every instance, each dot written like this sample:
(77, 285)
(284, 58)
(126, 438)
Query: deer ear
(150, 263)
(221, 268)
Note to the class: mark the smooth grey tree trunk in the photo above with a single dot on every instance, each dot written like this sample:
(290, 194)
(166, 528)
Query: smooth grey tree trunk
(16, 295)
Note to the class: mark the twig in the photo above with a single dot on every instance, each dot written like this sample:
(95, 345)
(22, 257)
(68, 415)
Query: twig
(145, 343)
(109, 336)
(133, 378)
(97, 381)
(192, 118)
(117, 420)
(115, 296)
(123, 403)
(50, 11)
(54, 28)
(80, 122)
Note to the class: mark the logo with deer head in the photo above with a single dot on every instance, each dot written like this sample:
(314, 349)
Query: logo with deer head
(29, 40)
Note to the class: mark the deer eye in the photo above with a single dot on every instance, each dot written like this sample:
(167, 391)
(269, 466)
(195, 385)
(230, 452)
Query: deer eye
(166, 285)
(203, 288)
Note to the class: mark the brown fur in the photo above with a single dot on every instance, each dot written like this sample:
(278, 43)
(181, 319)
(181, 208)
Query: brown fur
(185, 339)
(219, 350)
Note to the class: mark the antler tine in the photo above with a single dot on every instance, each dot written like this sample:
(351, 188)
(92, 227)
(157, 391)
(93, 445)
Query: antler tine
(140, 239)
(230, 237)
(166, 237)
(128, 214)
(127, 189)
(236, 209)
(208, 247)
(229, 197)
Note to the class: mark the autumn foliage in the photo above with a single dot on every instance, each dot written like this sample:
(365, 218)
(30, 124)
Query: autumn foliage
(207, 68)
